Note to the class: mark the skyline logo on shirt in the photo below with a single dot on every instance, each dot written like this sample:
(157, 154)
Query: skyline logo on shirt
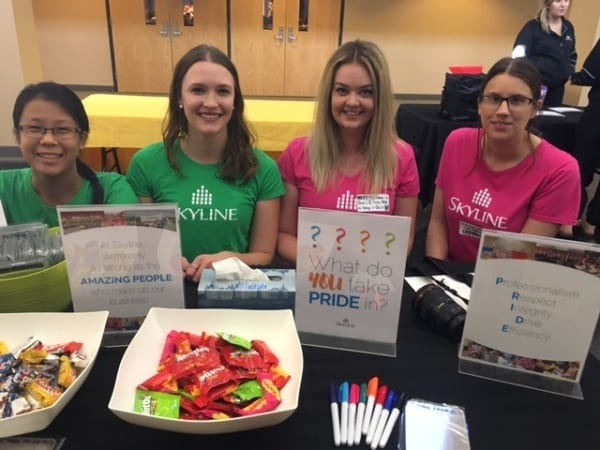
(476, 210)
(202, 197)
(346, 201)
(482, 197)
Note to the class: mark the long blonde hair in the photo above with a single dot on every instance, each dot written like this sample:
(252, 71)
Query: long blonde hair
(543, 14)
(378, 141)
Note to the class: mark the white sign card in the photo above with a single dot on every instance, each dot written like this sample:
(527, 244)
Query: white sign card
(124, 259)
(2, 216)
(533, 310)
(349, 279)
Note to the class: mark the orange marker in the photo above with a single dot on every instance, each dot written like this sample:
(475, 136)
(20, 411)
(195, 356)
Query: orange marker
(372, 388)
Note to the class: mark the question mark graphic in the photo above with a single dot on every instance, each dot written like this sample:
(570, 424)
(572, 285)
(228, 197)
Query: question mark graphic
(316, 231)
(366, 236)
(341, 234)
(390, 238)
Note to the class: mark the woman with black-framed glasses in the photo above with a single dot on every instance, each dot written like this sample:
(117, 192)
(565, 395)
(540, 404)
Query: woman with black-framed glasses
(51, 128)
(502, 176)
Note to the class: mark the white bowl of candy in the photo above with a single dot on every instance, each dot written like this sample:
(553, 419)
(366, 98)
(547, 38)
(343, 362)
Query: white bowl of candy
(45, 358)
(210, 371)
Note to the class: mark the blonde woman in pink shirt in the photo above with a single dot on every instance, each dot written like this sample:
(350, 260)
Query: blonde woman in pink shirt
(353, 148)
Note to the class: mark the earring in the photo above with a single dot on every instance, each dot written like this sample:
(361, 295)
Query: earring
(180, 106)
(232, 108)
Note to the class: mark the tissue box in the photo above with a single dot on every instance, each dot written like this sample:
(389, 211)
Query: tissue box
(277, 293)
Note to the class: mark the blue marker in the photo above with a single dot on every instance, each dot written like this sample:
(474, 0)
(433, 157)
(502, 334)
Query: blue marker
(390, 401)
(335, 416)
(343, 398)
(389, 426)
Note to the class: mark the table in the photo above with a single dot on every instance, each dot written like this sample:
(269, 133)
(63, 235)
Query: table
(422, 126)
(499, 416)
(134, 121)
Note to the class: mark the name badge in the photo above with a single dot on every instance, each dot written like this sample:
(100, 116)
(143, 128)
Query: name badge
(467, 229)
(373, 203)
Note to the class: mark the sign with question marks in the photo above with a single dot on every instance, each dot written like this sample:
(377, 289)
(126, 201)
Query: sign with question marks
(349, 279)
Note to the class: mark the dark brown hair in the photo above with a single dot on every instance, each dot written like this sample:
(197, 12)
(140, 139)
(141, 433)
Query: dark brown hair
(239, 161)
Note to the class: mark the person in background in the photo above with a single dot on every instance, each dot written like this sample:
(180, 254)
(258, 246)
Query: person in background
(501, 176)
(549, 41)
(353, 148)
(228, 192)
(587, 145)
(51, 128)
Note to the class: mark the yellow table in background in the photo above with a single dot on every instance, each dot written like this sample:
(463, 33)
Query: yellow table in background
(133, 121)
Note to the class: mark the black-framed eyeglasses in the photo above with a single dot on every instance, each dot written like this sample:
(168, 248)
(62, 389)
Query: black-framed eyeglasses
(60, 133)
(514, 101)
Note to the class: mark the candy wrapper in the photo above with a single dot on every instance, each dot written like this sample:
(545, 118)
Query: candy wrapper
(213, 377)
(34, 376)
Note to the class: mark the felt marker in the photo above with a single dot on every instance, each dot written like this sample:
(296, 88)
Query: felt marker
(360, 414)
(381, 395)
(389, 426)
(343, 397)
(354, 391)
(390, 402)
(335, 415)
(371, 394)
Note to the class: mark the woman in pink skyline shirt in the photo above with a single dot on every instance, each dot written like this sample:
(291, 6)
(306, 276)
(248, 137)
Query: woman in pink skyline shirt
(353, 148)
(501, 176)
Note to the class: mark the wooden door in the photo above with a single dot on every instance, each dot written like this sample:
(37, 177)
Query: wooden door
(283, 61)
(258, 54)
(150, 36)
(209, 25)
(142, 52)
(307, 51)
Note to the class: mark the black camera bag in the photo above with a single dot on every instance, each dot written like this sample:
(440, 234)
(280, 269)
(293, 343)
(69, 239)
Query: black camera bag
(459, 96)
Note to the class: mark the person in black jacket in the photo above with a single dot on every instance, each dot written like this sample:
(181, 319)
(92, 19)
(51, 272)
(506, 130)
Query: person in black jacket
(587, 143)
(549, 41)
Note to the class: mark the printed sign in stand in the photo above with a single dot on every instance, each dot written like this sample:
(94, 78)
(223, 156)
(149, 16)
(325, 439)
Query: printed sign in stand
(124, 259)
(349, 279)
(532, 312)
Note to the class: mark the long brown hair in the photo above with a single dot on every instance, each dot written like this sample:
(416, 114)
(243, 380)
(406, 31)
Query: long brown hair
(239, 161)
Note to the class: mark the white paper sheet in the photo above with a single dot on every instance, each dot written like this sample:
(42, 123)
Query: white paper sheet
(435, 426)
(563, 109)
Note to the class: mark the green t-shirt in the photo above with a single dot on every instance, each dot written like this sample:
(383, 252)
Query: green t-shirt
(23, 205)
(214, 215)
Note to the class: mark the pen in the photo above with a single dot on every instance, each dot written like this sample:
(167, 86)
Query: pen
(381, 396)
(360, 414)
(335, 416)
(390, 402)
(389, 426)
(354, 391)
(402, 425)
(371, 394)
(344, 416)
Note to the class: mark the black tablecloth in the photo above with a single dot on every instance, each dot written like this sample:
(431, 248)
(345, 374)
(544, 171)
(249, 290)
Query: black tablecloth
(422, 126)
(499, 416)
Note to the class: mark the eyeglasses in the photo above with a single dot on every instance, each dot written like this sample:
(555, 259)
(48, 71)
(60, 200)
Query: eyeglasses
(514, 101)
(60, 133)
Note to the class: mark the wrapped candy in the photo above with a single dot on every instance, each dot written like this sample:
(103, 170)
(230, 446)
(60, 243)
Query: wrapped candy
(217, 377)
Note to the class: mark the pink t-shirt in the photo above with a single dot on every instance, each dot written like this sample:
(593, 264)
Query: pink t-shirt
(342, 194)
(544, 186)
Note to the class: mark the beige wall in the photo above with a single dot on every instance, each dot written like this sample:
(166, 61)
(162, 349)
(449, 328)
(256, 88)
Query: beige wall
(20, 54)
(421, 38)
(74, 41)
